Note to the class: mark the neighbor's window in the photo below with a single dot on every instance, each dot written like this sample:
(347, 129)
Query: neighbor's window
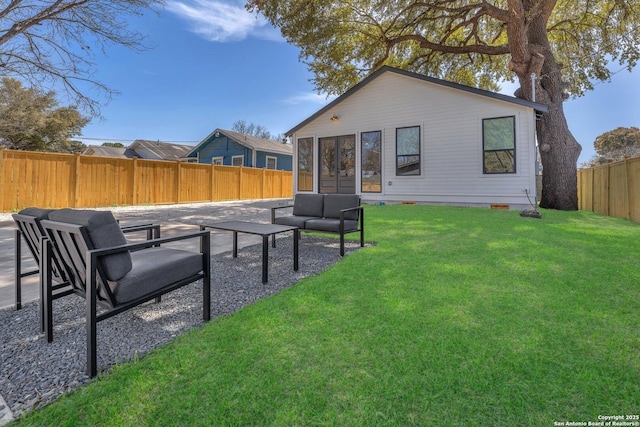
(237, 160)
(408, 151)
(272, 162)
(305, 164)
(217, 161)
(370, 162)
(499, 145)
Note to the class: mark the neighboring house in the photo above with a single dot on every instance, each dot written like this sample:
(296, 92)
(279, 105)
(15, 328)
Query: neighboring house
(156, 150)
(100, 151)
(224, 147)
(143, 149)
(399, 137)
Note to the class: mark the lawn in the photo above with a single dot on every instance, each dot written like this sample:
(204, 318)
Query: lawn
(456, 317)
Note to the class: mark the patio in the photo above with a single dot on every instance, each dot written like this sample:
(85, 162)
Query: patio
(34, 373)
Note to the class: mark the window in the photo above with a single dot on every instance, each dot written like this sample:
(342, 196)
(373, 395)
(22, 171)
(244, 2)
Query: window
(370, 162)
(217, 161)
(499, 145)
(305, 164)
(272, 162)
(408, 151)
(237, 161)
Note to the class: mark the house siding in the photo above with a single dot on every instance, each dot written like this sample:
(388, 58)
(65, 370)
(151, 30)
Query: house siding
(283, 161)
(450, 123)
(226, 148)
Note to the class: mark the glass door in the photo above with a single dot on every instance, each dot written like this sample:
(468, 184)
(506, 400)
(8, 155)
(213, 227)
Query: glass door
(337, 164)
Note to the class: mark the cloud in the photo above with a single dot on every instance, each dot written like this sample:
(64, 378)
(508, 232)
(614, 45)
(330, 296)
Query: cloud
(309, 97)
(221, 21)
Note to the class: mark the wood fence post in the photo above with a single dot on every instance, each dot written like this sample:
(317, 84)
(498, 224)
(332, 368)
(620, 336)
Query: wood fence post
(212, 182)
(630, 203)
(178, 170)
(134, 182)
(240, 172)
(3, 183)
(608, 208)
(593, 177)
(264, 182)
(75, 183)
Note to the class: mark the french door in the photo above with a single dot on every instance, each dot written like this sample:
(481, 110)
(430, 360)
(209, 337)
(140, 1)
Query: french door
(338, 164)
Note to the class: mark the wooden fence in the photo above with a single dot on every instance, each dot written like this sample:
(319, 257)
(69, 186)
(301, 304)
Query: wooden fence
(51, 180)
(612, 189)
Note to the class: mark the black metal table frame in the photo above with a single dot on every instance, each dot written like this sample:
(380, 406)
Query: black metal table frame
(258, 229)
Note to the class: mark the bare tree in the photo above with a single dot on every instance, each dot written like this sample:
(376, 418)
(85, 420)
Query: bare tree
(56, 42)
(252, 129)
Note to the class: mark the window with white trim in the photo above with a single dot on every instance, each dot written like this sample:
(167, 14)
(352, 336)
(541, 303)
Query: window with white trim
(237, 161)
(217, 161)
(499, 145)
(371, 162)
(408, 151)
(271, 162)
(305, 164)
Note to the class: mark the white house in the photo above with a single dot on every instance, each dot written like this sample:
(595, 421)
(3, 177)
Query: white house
(399, 137)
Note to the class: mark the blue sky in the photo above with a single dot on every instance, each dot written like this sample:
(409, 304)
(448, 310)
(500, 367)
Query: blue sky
(214, 63)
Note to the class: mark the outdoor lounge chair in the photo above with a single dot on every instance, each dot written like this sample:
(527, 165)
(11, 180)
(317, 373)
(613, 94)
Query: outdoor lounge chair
(30, 230)
(113, 274)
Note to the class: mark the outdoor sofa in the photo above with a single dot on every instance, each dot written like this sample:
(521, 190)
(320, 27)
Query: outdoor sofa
(330, 213)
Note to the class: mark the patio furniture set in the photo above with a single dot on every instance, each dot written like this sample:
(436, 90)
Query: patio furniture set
(86, 253)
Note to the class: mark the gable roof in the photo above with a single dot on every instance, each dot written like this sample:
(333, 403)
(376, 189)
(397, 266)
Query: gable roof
(387, 69)
(160, 150)
(102, 151)
(253, 142)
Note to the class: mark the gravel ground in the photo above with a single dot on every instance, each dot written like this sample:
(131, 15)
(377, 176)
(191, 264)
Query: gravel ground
(34, 373)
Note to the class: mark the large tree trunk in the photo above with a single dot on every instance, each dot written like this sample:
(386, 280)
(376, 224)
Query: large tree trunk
(559, 151)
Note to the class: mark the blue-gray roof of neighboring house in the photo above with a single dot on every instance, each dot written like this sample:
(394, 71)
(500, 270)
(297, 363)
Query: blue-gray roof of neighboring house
(102, 151)
(385, 69)
(160, 150)
(253, 142)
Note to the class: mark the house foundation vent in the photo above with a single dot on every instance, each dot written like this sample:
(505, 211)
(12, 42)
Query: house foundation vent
(502, 206)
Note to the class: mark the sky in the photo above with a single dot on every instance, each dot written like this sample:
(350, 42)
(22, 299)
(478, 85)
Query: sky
(213, 63)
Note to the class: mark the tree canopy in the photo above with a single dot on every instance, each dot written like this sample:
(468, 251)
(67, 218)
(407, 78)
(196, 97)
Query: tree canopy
(616, 145)
(32, 120)
(54, 43)
(566, 44)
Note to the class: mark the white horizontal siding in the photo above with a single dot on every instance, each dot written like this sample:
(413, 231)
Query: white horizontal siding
(451, 140)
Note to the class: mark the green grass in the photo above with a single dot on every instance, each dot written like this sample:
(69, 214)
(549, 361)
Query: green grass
(457, 317)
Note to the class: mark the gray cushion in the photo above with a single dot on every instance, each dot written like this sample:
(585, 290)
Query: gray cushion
(334, 203)
(295, 221)
(153, 269)
(104, 232)
(36, 212)
(331, 224)
(308, 205)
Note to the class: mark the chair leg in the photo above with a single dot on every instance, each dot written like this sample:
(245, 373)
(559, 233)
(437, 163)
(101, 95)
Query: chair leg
(206, 280)
(92, 351)
(18, 269)
(46, 295)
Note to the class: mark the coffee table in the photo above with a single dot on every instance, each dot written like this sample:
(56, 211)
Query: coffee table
(259, 229)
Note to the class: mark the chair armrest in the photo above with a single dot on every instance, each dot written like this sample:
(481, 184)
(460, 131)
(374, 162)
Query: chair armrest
(153, 230)
(147, 243)
(351, 209)
(273, 211)
(281, 207)
(360, 215)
